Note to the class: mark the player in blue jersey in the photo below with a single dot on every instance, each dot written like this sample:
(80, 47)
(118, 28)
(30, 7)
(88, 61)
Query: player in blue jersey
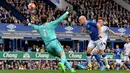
(94, 30)
(104, 33)
(117, 53)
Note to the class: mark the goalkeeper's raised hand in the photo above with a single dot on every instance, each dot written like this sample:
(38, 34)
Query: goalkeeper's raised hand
(26, 22)
(69, 9)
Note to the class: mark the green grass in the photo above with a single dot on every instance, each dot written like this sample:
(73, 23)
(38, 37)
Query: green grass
(58, 71)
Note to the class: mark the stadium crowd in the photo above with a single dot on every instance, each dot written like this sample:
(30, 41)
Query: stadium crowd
(127, 1)
(113, 14)
(48, 64)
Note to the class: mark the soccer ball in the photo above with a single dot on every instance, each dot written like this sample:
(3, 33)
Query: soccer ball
(31, 6)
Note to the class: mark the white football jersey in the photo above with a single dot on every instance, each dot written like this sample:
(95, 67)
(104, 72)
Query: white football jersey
(127, 47)
(104, 33)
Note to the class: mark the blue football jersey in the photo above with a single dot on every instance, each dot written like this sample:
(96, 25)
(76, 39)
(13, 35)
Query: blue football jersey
(117, 53)
(92, 29)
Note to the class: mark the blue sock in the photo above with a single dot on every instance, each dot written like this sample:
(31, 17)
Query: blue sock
(98, 59)
(67, 64)
(104, 55)
(88, 54)
(128, 65)
(86, 62)
(63, 59)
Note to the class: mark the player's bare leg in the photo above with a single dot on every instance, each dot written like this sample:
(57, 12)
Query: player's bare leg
(129, 56)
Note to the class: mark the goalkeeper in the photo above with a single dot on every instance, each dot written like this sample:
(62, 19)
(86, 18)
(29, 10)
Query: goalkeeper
(48, 34)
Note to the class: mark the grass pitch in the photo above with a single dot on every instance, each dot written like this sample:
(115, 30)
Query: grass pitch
(59, 71)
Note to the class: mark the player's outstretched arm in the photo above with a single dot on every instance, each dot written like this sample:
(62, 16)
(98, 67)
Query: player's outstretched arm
(60, 19)
(83, 30)
(117, 34)
(125, 36)
(27, 23)
(36, 27)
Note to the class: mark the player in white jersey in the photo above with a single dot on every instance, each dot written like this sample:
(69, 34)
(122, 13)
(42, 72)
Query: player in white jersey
(104, 33)
(127, 50)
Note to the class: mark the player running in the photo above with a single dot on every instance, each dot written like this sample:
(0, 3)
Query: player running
(94, 30)
(127, 49)
(104, 33)
(127, 52)
(104, 36)
(48, 34)
(117, 53)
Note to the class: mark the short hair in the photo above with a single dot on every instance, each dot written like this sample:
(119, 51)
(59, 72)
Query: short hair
(101, 18)
(43, 19)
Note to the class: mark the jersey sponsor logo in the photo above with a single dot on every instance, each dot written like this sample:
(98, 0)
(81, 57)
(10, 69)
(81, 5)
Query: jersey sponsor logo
(69, 29)
(88, 29)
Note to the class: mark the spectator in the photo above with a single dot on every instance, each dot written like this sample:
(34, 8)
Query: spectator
(37, 49)
(1, 47)
(34, 48)
(26, 46)
(42, 48)
(71, 51)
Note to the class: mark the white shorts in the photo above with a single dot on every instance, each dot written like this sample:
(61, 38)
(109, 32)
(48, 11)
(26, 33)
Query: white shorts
(126, 58)
(118, 61)
(99, 44)
(127, 52)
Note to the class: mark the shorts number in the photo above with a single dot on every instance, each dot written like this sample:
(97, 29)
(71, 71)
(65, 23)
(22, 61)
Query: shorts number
(101, 43)
(44, 33)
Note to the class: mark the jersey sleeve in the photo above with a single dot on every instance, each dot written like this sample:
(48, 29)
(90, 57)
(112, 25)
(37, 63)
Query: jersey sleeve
(124, 47)
(56, 22)
(92, 22)
(107, 28)
(36, 27)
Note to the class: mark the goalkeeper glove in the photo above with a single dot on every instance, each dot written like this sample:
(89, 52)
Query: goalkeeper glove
(69, 9)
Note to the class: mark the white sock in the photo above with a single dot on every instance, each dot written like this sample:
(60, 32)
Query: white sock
(106, 60)
(89, 60)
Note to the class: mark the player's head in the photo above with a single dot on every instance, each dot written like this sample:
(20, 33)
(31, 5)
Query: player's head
(43, 19)
(127, 40)
(117, 46)
(82, 20)
(101, 21)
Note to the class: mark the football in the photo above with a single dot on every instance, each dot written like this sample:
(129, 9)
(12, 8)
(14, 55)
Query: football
(31, 6)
